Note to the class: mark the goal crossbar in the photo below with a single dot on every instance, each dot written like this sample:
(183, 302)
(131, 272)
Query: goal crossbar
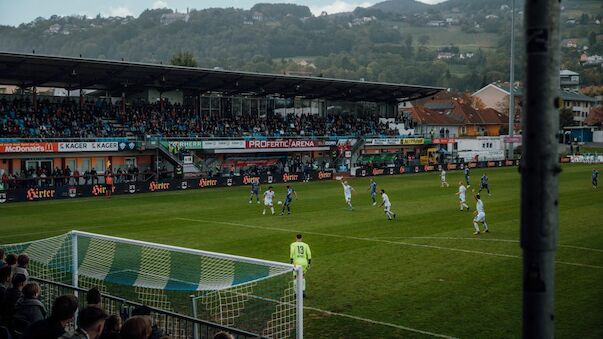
(185, 250)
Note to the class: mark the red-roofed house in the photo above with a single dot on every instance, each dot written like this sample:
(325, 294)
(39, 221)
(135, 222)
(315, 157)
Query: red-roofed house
(435, 123)
(487, 121)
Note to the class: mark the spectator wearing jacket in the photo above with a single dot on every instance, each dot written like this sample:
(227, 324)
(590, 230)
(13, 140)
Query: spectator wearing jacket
(28, 309)
(63, 312)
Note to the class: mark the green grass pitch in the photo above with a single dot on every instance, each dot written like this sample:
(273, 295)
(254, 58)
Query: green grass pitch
(421, 275)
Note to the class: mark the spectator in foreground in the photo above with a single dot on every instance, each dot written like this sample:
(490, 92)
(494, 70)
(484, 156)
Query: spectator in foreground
(112, 328)
(63, 311)
(223, 335)
(2, 257)
(91, 323)
(93, 297)
(11, 260)
(5, 274)
(137, 327)
(146, 311)
(28, 309)
(11, 297)
(22, 264)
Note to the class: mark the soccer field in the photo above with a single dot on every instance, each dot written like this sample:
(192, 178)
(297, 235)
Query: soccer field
(424, 274)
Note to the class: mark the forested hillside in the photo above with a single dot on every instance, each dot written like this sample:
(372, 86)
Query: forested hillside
(461, 44)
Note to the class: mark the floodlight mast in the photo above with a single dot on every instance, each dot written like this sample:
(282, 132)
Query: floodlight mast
(512, 81)
(540, 166)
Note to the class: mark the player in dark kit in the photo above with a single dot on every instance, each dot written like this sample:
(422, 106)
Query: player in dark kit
(595, 178)
(484, 184)
(467, 175)
(288, 199)
(373, 190)
(255, 191)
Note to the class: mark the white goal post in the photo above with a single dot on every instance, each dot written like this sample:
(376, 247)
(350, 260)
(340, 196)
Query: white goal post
(255, 295)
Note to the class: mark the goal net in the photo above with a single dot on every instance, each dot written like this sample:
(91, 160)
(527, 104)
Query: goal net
(254, 295)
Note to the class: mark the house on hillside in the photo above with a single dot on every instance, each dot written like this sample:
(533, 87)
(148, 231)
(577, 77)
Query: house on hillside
(579, 103)
(569, 80)
(445, 55)
(433, 123)
(569, 43)
(481, 122)
(170, 18)
(436, 23)
(460, 118)
(496, 95)
(591, 60)
(257, 16)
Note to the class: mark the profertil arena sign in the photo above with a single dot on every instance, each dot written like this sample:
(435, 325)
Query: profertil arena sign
(287, 143)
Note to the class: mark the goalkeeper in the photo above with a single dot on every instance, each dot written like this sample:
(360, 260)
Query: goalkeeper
(301, 256)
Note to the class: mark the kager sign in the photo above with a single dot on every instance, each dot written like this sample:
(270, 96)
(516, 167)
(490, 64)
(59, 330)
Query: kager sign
(88, 146)
(287, 143)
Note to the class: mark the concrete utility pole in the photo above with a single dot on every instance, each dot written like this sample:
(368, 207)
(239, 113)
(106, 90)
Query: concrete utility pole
(512, 79)
(540, 166)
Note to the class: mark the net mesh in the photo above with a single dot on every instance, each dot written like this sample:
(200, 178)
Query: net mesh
(254, 296)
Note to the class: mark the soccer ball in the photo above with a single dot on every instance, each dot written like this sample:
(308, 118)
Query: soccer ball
(280, 202)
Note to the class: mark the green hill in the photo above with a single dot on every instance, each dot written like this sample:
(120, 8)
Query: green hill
(395, 40)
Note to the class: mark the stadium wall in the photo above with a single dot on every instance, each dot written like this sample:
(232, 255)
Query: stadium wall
(78, 191)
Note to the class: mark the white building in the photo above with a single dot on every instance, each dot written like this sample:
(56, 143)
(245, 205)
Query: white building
(170, 18)
(569, 80)
(579, 103)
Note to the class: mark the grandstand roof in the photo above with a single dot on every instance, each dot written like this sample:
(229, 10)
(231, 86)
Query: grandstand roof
(74, 73)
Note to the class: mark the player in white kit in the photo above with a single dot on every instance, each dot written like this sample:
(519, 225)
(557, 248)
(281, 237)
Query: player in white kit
(480, 214)
(347, 192)
(461, 194)
(387, 206)
(443, 178)
(268, 196)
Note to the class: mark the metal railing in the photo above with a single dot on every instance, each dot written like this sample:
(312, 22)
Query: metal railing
(177, 326)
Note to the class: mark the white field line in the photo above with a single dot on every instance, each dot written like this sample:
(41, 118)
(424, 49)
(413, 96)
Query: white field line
(377, 240)
(491, 239)
(410, 329)
(370, 321)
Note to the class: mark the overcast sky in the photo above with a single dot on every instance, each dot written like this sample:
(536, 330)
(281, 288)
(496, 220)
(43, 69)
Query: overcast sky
(15, 12)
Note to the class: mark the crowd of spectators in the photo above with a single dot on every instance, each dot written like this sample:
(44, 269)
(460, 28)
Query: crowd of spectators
(24, 316)
(65, 118)
(41, 177)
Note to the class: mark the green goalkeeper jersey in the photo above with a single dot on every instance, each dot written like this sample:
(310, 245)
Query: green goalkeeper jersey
(300, 253)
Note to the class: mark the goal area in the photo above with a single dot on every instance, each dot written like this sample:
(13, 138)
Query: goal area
(254, 295)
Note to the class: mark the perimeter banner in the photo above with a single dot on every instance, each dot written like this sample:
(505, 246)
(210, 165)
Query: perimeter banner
(28, 147)
(100, 190)
(88, 146)
(375, 171)
(285, 143)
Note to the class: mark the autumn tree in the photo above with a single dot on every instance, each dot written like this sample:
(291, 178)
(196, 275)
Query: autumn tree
(595, 117)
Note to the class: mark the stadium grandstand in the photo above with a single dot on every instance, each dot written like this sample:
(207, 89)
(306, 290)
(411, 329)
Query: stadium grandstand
(71, 121)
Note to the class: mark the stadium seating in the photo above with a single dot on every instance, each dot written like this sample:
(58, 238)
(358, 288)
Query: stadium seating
(63, 118)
